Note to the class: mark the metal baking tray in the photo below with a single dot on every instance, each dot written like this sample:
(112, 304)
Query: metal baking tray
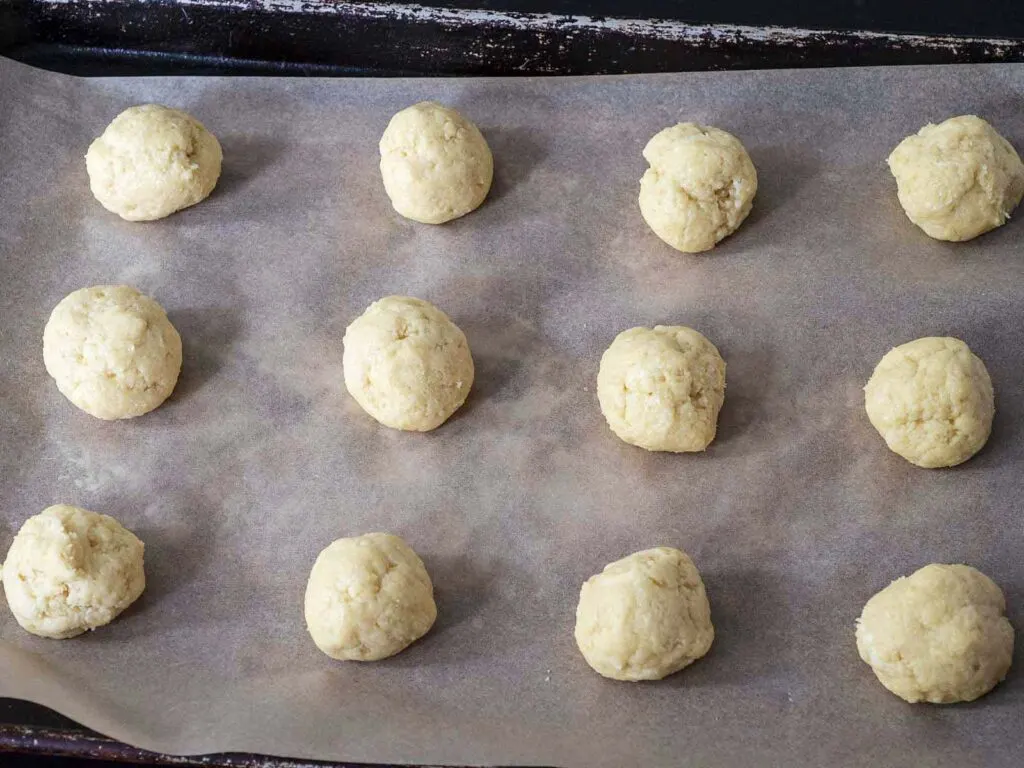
(561, 37)
(542, 37)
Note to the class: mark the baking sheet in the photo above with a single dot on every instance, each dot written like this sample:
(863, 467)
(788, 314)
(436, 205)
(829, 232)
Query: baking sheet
(795, 515)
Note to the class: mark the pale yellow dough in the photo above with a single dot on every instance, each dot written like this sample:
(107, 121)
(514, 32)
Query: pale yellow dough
(112, 351)
(661, 388)
(699, 188)
(368, 598)
(645, 616)
(152, 161)
(435, 164)
(70, 570)
(938, 635)
(407, 364)
(958, 179)
(932, 401)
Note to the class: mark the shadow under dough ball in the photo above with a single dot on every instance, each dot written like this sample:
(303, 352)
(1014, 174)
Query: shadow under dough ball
(152, 161)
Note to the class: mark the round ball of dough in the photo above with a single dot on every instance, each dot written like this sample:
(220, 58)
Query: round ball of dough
(699, 188)
(435, 163)
(938, 635)
(70, 570)
(368, 598)
(661, 388)
(152, 161)
(932, 401)
(407, 364)
(958, 179)
(644, 616)
(112, 351)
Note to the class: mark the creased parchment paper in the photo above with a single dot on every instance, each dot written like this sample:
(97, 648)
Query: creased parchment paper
(795, 515)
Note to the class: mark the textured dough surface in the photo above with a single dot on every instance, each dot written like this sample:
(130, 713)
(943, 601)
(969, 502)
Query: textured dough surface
(407, 364)
(699, 188)
(958, 179)
(661, 388)
(152, 161)
(938, 635)
(70, 570)
(112, 351)
(932, 401)
(435, 163)
(368, 598)
(644, 616)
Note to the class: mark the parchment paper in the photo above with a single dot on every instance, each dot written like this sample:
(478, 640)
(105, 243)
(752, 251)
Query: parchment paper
(795, 515)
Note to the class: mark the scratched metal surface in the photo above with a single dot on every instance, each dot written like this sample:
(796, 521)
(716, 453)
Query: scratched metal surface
(28, 730)
(324, 37)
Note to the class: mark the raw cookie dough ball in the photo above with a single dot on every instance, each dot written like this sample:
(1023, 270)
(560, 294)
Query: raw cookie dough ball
(407, 364)
(152, 161)
(112, 351)
(938, 635)
(699, 188)
(958, 179)
(662, 388)
(70, 570)
(368, 598)
(932, 401)
(644, 616)
(435, 163)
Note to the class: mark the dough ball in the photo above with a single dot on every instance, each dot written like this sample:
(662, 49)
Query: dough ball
(112, 351)
(368, 598)
(644, 616)
(407, 364)
(152, 161)
(958, 179)
(70, 570)
(938, 635)
(699, 188)
(932, 401)
(662, 388)
(435, 163)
